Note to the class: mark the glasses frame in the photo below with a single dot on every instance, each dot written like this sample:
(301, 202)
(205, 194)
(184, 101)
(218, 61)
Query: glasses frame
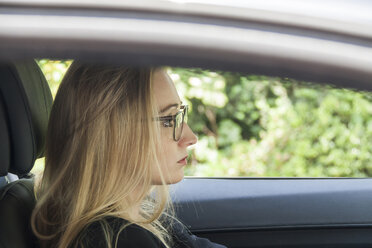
(183, 112)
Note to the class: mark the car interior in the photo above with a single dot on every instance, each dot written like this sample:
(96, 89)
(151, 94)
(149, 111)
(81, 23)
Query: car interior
(241, 212)
(262, 212)
(25, 103)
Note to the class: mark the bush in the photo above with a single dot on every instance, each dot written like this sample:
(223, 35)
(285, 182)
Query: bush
(261, 126)
(251, 125)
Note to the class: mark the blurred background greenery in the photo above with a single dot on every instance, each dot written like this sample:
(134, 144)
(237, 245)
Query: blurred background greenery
(260, 126)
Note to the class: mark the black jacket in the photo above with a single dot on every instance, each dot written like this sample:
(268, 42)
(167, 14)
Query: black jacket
(134, 236)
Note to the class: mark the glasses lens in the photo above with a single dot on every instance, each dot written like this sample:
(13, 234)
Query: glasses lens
(181, 117)
(185, 112)
(178, 126)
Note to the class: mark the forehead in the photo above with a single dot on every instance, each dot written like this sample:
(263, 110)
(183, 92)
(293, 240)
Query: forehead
(164, 90)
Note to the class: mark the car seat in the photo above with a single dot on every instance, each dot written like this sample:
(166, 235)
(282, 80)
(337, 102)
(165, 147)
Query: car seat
(25, 103)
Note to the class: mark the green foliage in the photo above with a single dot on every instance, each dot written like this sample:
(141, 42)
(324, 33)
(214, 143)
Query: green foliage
(251, 125)
(54, 70)
(262, 126)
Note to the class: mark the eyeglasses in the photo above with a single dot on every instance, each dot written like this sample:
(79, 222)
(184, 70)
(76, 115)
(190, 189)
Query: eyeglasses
(176, 121)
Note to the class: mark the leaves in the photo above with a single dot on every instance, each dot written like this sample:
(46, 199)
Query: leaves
(277, 127)
(250, 125)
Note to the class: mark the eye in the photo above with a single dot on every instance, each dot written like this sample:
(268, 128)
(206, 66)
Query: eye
(168, 123)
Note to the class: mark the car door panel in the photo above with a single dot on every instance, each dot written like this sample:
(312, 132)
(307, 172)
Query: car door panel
(288, 211)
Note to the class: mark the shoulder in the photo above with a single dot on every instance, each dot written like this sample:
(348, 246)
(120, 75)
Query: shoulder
(131, 236)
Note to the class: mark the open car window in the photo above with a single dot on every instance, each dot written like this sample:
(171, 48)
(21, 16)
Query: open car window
(262, 126)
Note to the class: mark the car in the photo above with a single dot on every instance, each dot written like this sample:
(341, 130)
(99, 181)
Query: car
(318, 41)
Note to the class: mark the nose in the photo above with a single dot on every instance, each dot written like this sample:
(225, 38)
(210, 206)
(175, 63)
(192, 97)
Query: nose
(188, 137)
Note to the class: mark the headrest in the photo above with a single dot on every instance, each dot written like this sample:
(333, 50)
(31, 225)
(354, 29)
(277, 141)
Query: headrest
(25, 103)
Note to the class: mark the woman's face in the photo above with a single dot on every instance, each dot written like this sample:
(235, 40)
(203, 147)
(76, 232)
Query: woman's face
(173, 153)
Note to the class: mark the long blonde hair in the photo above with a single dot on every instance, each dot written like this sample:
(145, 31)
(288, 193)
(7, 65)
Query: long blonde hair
(101, 149)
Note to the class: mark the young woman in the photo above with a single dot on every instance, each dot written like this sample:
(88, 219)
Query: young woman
(117, 137)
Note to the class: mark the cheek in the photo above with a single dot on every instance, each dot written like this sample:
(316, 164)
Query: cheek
(168, 155)
(168, 162)
(168, 151)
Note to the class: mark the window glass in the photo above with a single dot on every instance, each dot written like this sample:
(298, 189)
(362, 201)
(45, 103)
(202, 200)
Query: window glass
(54, 70)
(259, 126)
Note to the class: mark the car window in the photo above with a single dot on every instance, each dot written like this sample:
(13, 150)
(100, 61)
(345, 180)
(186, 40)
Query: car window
(261, 126)
(54, 70)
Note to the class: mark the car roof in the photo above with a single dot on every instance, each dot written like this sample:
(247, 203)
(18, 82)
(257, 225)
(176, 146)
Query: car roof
(323, 41)
(283, 11)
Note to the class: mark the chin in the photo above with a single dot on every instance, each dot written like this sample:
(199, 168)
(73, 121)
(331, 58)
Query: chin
(172, 179)
(176, 178)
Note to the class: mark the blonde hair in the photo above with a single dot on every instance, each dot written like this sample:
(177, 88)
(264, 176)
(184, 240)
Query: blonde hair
(101, 149)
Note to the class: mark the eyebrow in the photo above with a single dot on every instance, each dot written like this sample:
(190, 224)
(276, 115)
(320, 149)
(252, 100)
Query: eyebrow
(169, 107)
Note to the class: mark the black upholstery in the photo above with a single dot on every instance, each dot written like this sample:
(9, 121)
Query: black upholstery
(16, 203)
(5, 143)
(25, 103)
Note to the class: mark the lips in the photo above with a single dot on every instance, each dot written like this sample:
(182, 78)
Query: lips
(183, 160)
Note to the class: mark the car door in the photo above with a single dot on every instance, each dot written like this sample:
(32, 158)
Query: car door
(277, 212)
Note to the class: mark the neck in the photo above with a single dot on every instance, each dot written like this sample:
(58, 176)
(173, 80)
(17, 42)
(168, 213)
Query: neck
(134, 211)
